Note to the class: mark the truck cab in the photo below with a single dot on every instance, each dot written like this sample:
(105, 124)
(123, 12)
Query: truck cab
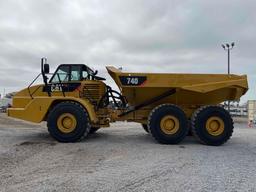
(68, 78)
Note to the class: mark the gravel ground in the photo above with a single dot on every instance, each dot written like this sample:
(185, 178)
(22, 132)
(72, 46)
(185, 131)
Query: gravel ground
(122, 158)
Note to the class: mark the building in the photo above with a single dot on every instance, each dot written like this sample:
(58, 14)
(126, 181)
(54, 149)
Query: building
(4, 104)
(251, 106)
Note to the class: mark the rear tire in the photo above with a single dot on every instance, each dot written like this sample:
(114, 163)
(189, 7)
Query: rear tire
(212, 125)
(168, 124)
(68, 122)
(145, 127)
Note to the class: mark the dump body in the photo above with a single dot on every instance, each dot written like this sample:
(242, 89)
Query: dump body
(190, 89)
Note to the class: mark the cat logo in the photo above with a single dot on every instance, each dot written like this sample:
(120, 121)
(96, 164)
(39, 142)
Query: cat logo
(56, 87)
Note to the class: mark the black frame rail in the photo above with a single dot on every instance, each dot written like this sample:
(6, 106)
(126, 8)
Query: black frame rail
(153, 100)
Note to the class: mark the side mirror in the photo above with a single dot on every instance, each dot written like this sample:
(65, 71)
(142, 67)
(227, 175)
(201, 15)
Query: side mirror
(96, 72)
(46, 68)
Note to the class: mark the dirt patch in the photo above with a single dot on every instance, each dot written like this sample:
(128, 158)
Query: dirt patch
(36, 143)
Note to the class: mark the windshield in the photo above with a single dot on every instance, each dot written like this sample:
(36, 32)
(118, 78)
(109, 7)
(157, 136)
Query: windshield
(62, 74)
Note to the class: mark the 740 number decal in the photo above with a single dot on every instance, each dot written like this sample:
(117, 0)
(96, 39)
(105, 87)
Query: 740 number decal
(132, 80)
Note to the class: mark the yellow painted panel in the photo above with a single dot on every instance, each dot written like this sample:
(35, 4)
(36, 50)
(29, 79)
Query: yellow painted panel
(37, 108)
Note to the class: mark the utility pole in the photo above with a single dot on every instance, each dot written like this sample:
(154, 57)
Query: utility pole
(227, 47)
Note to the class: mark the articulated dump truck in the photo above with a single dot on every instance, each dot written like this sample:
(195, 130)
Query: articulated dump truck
(76, 102)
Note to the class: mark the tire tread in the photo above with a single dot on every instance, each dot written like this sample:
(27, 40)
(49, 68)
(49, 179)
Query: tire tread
(150, 118)
(195, 131)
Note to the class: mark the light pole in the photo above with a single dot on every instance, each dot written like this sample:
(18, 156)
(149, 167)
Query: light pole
(227, 47)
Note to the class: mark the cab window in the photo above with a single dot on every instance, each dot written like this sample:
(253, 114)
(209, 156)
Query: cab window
(69, 73)
(84, 75)
(62, 74)
(75, 73)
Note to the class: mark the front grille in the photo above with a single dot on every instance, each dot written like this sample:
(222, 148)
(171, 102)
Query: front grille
(92, 92)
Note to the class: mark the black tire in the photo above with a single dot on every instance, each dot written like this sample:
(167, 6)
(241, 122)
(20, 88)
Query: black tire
(154, 121)
(81, 129)
(199, 125)
(94, 130)
(145, 127)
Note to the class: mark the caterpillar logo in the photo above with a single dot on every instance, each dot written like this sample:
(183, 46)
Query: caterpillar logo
(59, 87)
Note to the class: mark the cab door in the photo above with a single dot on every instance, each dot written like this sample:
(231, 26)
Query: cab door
(66, 78)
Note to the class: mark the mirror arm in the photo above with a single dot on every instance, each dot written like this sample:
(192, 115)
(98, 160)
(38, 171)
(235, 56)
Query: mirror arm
(43, 61)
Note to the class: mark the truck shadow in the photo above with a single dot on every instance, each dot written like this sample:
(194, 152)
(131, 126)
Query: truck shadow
(132, 137)
(138, 138)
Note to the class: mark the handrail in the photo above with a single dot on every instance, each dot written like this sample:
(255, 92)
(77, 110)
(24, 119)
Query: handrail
(31, 95)
(61, 84)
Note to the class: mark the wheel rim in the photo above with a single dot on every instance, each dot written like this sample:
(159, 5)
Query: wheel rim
(169, 125)
(66, 123)
(215, 126)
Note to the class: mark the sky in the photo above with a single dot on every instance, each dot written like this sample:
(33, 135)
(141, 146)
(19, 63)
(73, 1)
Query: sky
(138, 35)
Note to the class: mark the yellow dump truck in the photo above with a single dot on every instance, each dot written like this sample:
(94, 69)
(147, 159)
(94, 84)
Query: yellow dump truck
(76, 102)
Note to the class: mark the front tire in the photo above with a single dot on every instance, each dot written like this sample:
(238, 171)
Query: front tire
(68, 122)
(212, 125)
(168, 124)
